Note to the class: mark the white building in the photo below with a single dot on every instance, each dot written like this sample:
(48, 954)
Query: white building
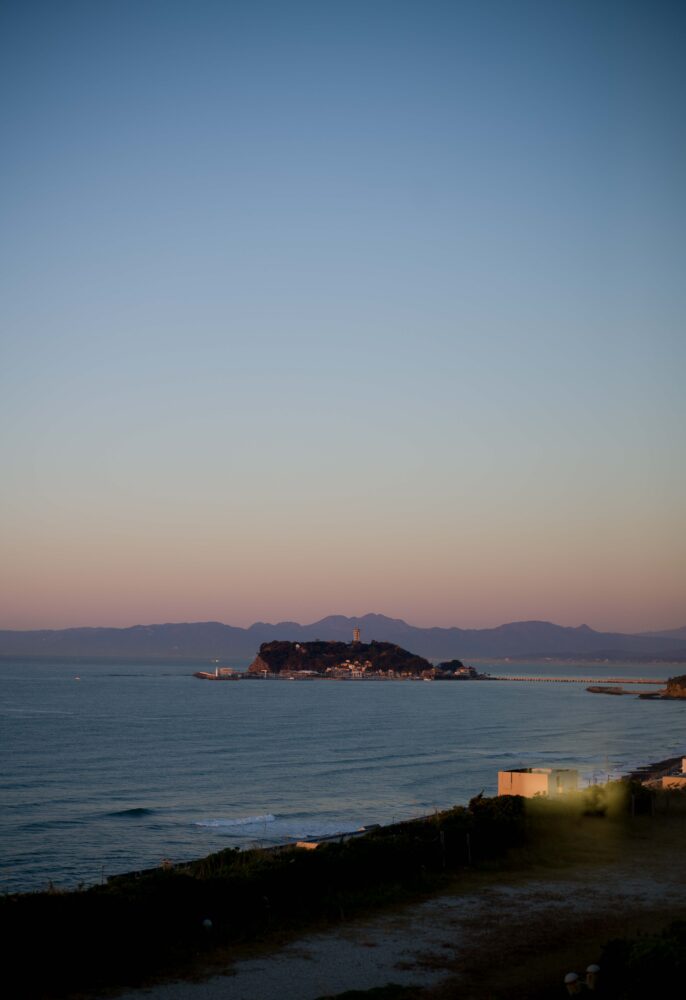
(530, 781)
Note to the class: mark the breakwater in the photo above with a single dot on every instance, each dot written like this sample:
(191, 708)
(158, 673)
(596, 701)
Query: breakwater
(581, 680)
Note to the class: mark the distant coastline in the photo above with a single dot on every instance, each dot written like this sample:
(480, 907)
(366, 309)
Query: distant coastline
(612, 657)
(205, 642)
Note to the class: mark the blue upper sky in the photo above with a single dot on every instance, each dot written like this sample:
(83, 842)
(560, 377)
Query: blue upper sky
(342, 285)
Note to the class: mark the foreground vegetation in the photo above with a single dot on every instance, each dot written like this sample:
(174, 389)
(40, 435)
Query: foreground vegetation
(652, 965)
(164, 921)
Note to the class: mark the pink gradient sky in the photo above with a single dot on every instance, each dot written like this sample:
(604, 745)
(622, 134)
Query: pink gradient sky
(101, 572)
(369, 308)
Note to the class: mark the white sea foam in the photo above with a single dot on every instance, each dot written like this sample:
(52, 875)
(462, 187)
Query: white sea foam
(241, 821)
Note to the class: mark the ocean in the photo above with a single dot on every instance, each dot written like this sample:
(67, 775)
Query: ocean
(110, 768)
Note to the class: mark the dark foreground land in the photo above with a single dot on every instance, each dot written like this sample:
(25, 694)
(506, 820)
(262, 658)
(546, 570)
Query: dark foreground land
(139, 929)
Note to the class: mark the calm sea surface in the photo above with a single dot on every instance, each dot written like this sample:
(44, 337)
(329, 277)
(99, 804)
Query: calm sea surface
(135, 763)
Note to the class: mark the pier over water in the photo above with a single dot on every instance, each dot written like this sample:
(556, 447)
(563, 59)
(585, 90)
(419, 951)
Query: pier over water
(581, 680)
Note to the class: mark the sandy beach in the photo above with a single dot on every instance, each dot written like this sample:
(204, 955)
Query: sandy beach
(496, 933)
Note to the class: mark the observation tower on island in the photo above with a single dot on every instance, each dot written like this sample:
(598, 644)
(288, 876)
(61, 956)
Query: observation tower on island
(356, 633)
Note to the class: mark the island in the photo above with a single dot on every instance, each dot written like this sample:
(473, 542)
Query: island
(676, 687)
(351, 660)
(675, 691)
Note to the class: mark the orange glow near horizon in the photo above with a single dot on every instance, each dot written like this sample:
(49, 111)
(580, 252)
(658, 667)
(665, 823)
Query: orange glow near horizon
(95, 578)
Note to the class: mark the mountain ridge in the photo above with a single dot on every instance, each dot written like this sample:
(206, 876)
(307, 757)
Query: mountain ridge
(203, 641)
(670, 633)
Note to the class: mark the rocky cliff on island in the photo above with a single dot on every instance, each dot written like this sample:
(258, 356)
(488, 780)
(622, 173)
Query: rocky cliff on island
(676, 687)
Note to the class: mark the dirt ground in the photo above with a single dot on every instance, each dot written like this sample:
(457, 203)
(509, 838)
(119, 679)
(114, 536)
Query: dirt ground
(511, 932)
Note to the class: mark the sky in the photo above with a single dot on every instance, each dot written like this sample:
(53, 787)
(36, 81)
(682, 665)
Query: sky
(343, 306)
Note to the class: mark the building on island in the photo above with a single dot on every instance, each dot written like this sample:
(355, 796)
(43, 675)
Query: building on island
(530, 781)
(220, 674)
(356, 634)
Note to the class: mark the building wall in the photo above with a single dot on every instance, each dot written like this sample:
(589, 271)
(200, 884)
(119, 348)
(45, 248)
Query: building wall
(674, 781)
(522, 783)
(563, 781)
(537, 781)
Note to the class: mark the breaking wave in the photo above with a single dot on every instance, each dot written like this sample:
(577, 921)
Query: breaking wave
(241, 821)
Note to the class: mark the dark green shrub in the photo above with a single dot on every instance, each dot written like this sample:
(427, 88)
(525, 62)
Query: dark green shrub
(654, 965)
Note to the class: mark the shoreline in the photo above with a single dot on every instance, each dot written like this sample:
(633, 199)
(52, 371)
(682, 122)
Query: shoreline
(177, 921)
(561, 898)
(640, 774)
